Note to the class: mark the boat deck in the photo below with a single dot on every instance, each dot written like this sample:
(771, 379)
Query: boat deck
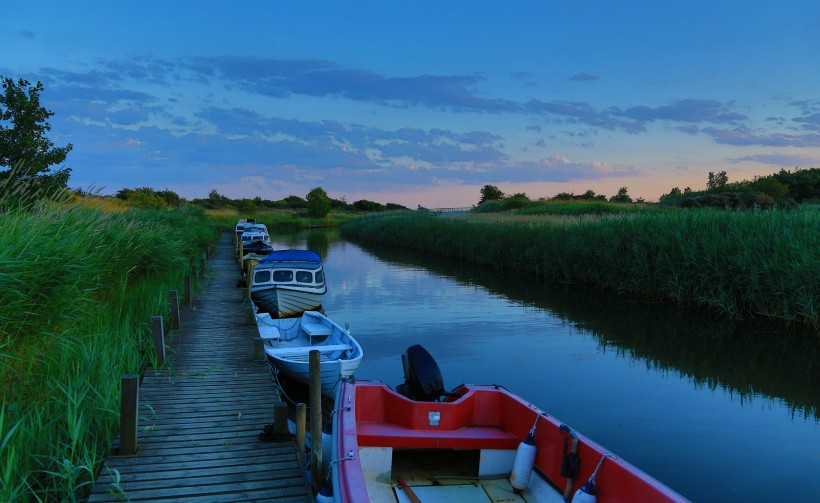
(201, 415)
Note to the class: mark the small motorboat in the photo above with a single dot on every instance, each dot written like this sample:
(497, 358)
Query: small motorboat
(287, 283)
(288, 342)
(473, 444)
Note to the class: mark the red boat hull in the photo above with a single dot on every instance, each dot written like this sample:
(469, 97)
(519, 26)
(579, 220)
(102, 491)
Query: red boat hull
(370, 414)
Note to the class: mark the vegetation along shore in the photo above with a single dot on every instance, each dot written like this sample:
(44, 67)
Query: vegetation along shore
(741, 263)
(77, 289)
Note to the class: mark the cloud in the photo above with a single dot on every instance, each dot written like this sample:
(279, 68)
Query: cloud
(778, 160)
(743, 137)
(584, 77)
(26, 33)
(583, 113)
(687, 110)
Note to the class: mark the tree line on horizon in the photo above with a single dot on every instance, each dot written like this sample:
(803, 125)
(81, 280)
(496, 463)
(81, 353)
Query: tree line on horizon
(29, 154)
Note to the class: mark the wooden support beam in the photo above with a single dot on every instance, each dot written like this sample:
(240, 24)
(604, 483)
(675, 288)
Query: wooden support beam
(158, 336)
(259, 349)
(280, 418)
(188, 290)
(174, 301)
(301, 416)
(129, 408)
(316, 475)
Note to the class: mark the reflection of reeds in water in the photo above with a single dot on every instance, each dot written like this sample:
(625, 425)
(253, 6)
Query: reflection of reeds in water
(764, 264)
(77, 289)
(748, 358)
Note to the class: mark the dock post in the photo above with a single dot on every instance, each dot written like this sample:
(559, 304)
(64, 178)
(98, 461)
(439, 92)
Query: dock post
(158, 335)
(188, 290)
(129, 406)
(259, 349)
(301, 416)
(174, 300)
(316, 475)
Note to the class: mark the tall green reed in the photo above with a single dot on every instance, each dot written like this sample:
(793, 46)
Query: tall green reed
(77, 290)
(742, 264)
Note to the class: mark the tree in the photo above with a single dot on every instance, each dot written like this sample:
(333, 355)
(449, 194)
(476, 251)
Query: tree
(24, 147)
(490, 193)
(622, 196)
(318, 203)
(717, 181)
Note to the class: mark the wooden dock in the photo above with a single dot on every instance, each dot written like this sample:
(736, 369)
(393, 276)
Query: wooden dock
(200, 416)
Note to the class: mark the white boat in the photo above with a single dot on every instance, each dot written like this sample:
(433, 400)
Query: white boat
(287, 283)
(288, 343)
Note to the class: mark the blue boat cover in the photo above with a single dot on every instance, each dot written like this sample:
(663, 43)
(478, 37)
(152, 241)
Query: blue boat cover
(292, 256)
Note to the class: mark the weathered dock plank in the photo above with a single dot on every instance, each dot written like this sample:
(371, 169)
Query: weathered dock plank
(201, 414)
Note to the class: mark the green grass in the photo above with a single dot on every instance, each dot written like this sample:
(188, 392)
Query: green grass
(77, 289)
(277, 220)
(750, 264)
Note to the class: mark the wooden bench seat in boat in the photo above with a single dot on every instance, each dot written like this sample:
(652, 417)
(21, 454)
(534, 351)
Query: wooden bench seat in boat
(305, 350)
(268, 332)
(470, 437)
(314, 329)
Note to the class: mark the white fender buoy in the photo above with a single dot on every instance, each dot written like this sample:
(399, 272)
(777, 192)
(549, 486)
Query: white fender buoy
(325, 495)
(586, 494)
(524, 461)
(326, 450)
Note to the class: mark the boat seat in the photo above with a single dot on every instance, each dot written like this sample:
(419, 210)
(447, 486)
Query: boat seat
(268, 332)
(304, 350)
(470, 437)
(314, 329)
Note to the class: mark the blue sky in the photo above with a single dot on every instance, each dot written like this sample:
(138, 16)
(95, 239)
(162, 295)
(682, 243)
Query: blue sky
(422, 102)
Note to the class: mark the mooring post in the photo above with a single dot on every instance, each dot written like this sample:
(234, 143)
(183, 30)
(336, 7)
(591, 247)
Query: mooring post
(251, 267)
(188, 290)
(158, 335)
(316, 474)
(240, 255)
(301, 416)
(259, 349)
(202, 264)
(280, 419)
(129, 406)
(174, 300)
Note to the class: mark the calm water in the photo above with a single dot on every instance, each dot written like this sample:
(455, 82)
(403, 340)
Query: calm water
(718, 411)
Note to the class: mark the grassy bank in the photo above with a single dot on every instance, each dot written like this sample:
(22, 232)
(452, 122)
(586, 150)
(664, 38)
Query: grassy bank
(742, 264)
(278, 220)
(77, 289)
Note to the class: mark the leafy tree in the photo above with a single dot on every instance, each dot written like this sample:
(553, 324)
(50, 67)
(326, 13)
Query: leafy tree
(318, 203)
(622, 196)
(24, 147)
(490, 193)
(773, 188)
(294, 202)
(717, 181)
(365, 205)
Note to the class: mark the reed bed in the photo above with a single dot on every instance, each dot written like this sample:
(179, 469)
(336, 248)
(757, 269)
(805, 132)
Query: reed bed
(77, 289)
(743, 264)
(277, 220)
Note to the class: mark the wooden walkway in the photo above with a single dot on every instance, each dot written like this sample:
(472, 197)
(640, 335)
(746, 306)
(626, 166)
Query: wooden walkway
(200, 417)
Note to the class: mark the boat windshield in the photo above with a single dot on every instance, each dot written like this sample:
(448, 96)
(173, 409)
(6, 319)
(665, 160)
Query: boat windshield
(264, 276)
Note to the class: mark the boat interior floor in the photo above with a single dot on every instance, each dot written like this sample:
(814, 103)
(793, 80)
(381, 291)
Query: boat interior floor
(450, 476)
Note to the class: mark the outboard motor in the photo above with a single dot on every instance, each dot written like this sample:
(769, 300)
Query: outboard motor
(422, 377)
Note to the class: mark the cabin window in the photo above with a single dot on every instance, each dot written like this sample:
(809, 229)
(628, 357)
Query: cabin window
(320, 277)
(261, 277)
(304, 277)
(282, 276)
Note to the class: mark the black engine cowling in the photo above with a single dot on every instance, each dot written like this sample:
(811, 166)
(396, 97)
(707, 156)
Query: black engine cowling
(422, 377)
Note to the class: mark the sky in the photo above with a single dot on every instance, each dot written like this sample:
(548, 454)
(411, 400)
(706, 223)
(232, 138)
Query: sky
(423, 102)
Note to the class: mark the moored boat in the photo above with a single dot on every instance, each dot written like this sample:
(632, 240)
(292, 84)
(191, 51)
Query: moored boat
(476, 444)
(288, 343)
(287, 283)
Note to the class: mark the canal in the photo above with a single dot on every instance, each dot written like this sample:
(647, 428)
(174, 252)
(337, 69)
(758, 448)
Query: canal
(718, 410)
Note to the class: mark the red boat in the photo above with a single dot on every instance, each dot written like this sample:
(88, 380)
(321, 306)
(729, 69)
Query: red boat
(476, 444)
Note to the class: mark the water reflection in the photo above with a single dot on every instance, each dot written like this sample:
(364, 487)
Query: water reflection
(746, 358)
